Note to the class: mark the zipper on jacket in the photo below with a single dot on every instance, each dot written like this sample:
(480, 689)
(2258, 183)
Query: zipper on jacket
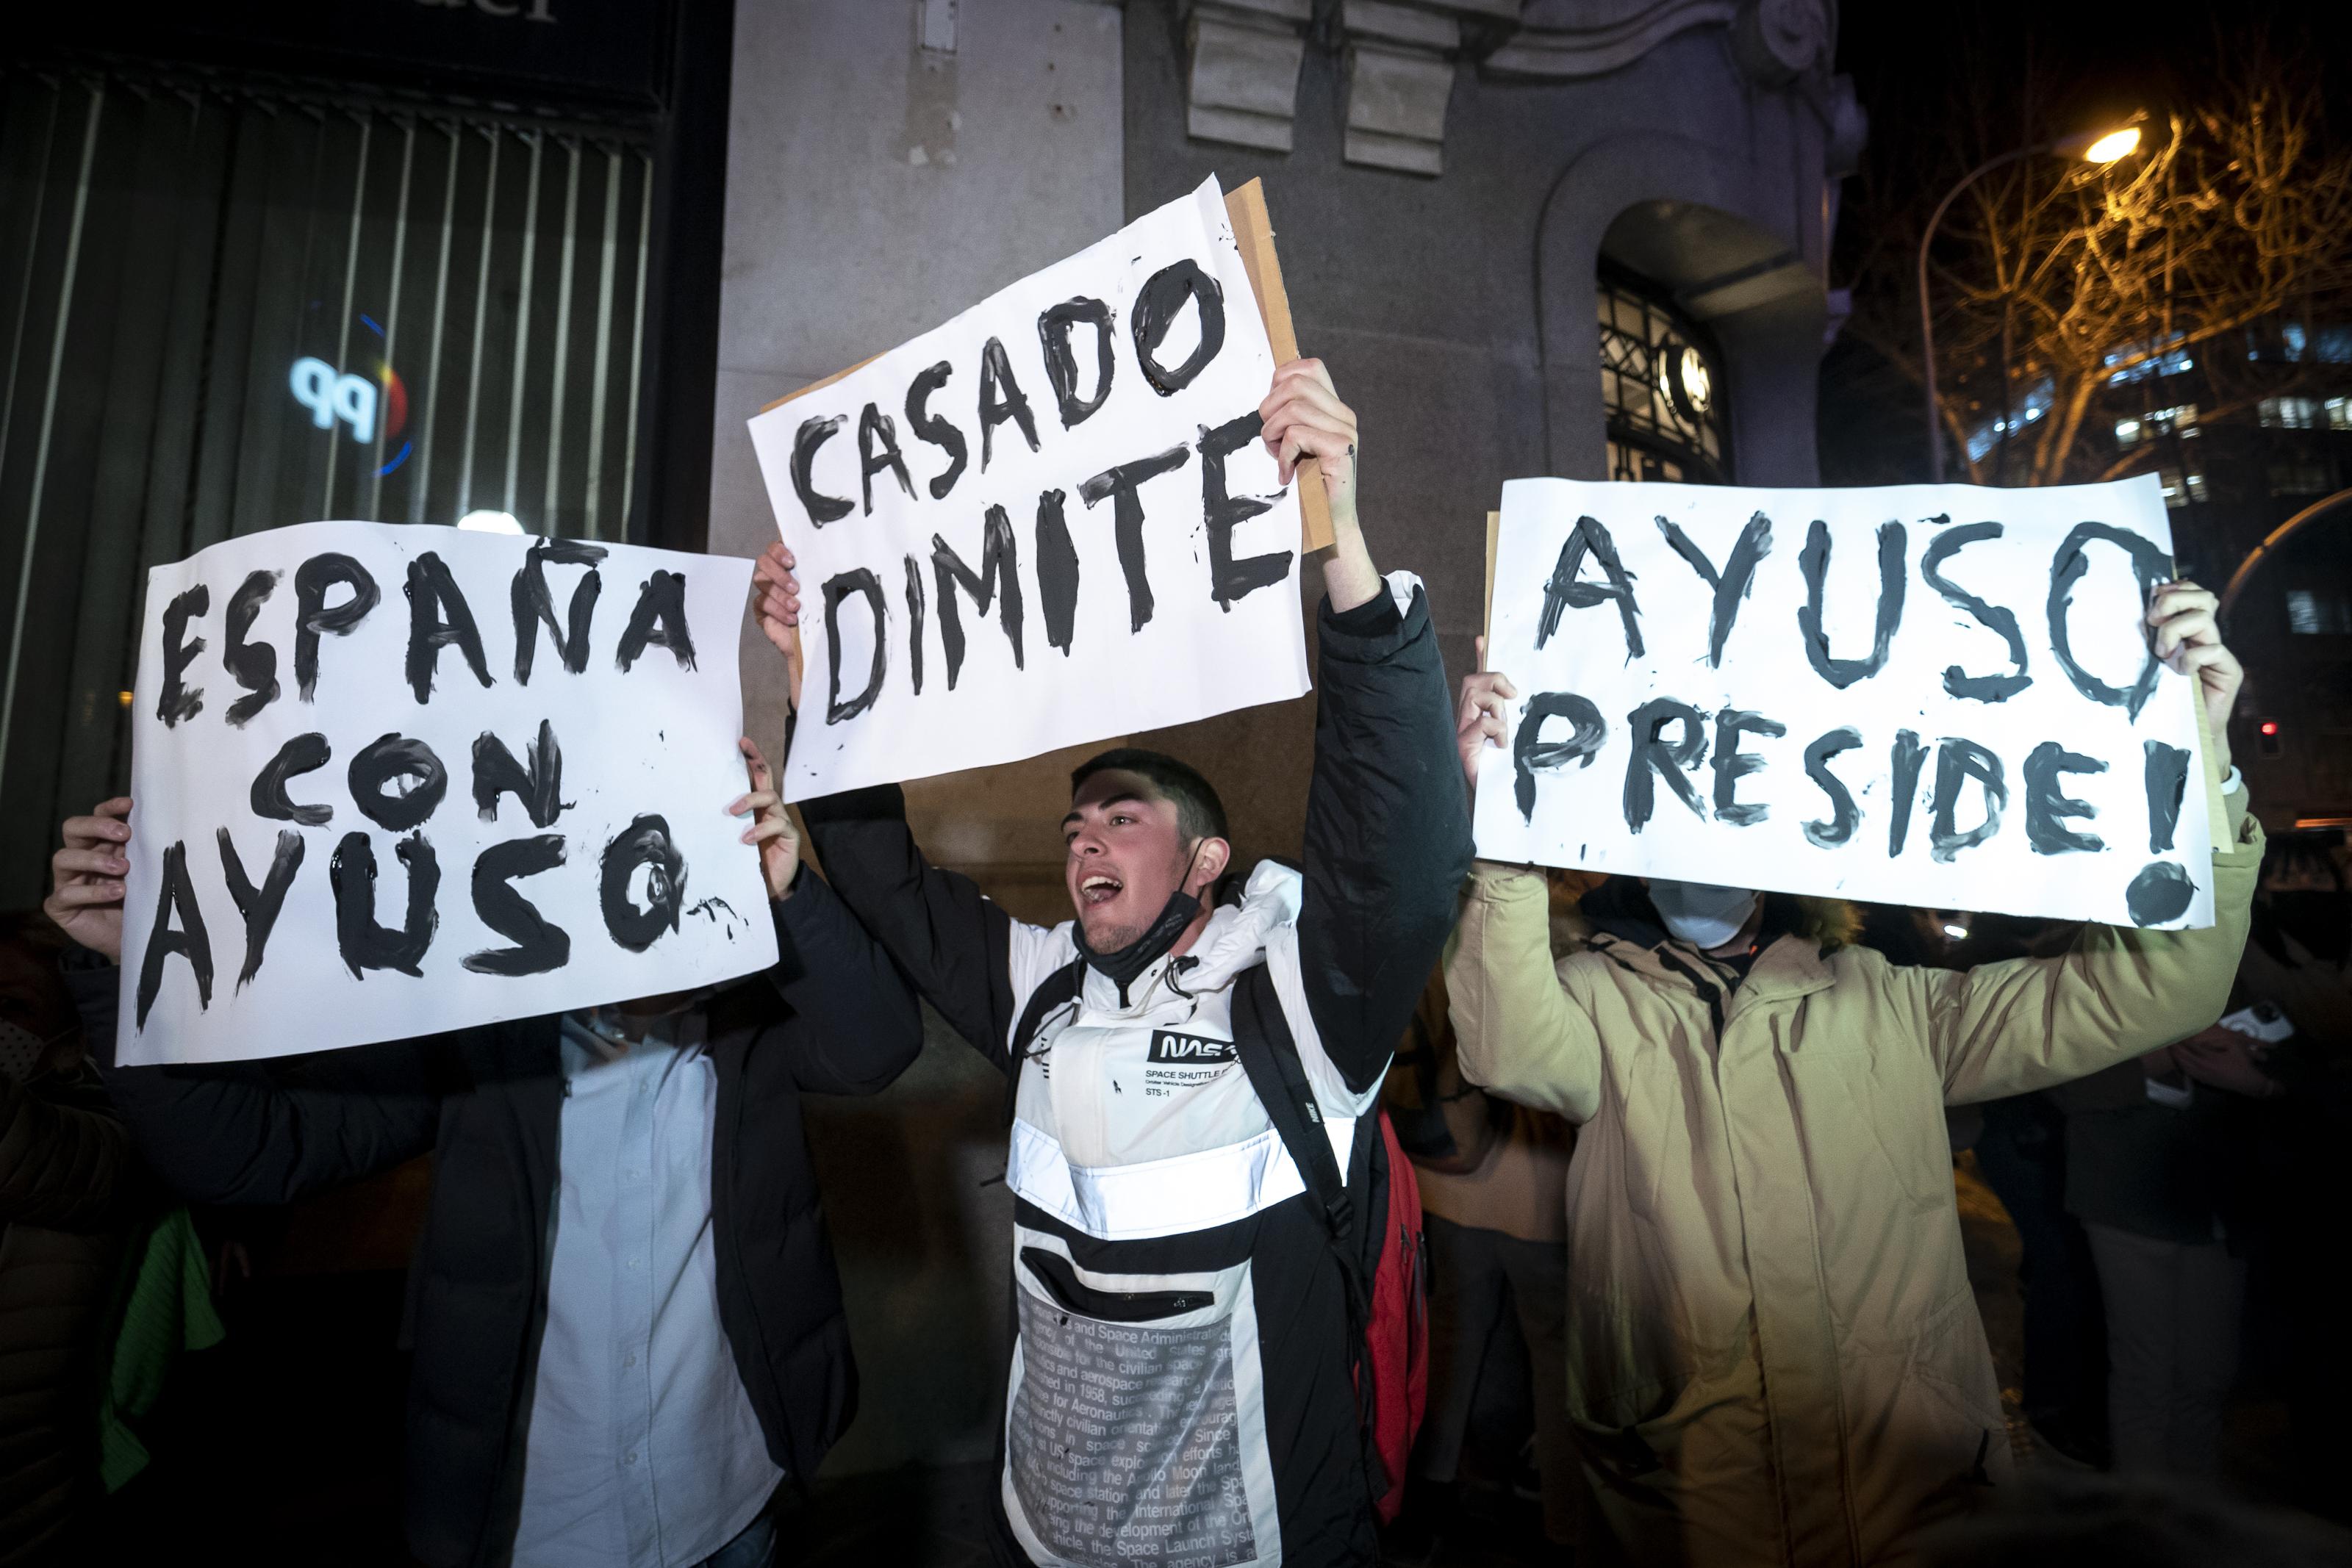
(1062, 1283)
(1707, 987)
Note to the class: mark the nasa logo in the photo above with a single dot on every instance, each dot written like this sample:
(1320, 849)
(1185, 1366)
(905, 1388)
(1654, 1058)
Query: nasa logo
(1168, 1048)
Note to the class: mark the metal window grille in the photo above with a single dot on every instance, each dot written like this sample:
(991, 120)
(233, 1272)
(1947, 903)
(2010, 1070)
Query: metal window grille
(225, 307)
(1661, 386)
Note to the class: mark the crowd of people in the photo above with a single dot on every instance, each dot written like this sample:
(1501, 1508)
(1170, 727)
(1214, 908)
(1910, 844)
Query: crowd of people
(1691, 1147)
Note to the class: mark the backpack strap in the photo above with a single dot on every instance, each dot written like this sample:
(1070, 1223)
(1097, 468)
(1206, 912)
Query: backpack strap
(1269, 1054)
(1056, 990)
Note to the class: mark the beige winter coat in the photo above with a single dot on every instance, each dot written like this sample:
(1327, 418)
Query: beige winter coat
(1774, 1356)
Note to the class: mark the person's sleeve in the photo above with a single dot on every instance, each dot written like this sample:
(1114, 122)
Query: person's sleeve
(854, 1024)
(62, 1166)
(960, 950)
(1518, 1030)
(2029, 1023)
(1387, 828)
(233, 1133)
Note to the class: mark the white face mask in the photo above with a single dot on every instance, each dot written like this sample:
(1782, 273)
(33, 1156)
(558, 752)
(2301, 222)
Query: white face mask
(1701, 914)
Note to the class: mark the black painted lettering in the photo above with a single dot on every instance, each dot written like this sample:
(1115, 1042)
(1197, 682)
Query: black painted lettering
(1729, 586)
(2047, 804)
(1957, 762)
(2160, 894)
(1230, 580)
(999, 577)
(1121, 485)
(180, 700)
(175, 896)
(260, 905)
(397, 781)
(814, 433)
(1531, 754)
(302, 754)
(644, 843)
(364, 942)
(537, 785)
(539, 947)
(1563, 591)
(1000, 399)
(313, 616)
(534, 606)
(2166, 779)
(658, 622)
(1814, 562)
(437, 617)
(931, 427)
(1057, 572)
(1732, 765)
(1655, 757)
(1909, 757)
(1157, 306)
(878, 453)
(253, 664)
(1062, 363)
(2149, 564)
(1844, 815)
(915, 621)
(1957, 681)
(840, 586)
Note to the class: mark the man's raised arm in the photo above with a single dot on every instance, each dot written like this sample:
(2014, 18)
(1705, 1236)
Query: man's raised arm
(1388, 831)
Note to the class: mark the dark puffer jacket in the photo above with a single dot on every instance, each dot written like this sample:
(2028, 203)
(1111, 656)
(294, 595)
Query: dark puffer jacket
(833, 1016)
(67, 1185)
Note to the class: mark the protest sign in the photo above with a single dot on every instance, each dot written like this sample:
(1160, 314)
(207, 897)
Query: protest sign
(1075, 459)
(394, 780)
(1937, 695)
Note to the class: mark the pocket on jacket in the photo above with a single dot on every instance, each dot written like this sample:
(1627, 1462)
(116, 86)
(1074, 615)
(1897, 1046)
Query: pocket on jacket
(1135, 1430)
(1657, 1137)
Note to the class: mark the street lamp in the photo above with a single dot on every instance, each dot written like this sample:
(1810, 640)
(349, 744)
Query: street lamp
(2090, 147)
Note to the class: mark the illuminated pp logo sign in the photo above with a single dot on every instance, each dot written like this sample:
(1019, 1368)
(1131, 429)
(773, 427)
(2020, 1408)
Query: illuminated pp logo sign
(330, 396)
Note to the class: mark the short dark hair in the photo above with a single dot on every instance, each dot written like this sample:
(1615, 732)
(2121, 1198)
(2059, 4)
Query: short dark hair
(1199, 813)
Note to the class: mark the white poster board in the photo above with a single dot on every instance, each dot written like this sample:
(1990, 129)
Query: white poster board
(389, 780)
(1049, 521)
(1940, 697)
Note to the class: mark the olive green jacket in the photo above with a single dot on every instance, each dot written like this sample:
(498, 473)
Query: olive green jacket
(1774, 1354)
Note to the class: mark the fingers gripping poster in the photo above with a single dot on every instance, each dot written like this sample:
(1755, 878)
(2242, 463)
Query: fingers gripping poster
(1049, 521)
(1940, 697)
(390, 780)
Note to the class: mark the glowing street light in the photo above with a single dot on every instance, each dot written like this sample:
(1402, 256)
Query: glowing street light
(2090, 147)
(2094, 148)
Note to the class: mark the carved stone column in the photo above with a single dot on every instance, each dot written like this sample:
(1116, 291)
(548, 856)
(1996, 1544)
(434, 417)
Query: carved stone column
(1241, 81)
(1399, 64)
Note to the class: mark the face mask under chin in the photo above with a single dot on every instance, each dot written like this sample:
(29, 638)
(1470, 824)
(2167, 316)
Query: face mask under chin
(1122, 965)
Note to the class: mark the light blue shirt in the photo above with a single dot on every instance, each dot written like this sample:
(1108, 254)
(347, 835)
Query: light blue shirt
(644, 1450)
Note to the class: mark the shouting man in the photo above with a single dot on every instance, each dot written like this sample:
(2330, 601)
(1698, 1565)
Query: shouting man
(1183, 1383)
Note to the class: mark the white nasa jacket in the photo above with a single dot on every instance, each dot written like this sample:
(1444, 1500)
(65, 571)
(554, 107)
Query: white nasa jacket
(1180, 1389)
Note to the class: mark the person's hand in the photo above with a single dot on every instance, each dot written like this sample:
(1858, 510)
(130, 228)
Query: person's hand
(771, 829)
(776, 599)
(1478, 718)
(1303, 417)
(2189, 640)
(2224, 1059)
(85, 877)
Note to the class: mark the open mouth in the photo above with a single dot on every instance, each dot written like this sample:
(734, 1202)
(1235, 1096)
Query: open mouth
(1099, 888)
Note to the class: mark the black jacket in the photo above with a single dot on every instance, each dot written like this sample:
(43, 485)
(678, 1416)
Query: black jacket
(1138, 1162)
(834, 1017)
